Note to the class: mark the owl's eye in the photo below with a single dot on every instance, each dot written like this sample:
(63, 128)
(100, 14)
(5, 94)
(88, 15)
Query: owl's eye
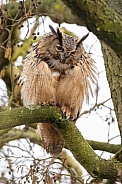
(59, 48)
(73, 53)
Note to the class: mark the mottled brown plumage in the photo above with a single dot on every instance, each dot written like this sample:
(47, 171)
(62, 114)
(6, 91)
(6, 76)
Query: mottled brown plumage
(58, 71)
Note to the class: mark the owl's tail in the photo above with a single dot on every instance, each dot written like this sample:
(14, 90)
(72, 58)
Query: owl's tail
(52, 140)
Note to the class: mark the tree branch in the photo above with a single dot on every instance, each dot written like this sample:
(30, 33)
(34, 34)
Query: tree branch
(103, 146)
(96, 105)
(28, 115)
(81, 150)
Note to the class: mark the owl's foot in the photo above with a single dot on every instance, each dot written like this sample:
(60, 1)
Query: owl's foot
(68, 113)
(48, 103)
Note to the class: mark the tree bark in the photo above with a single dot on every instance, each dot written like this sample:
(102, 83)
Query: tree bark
(103, 146)
(113, 65)
(116, 5)
(81, 150)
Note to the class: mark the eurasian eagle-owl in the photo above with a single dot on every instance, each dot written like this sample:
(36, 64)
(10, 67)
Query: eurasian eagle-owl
(58, 71)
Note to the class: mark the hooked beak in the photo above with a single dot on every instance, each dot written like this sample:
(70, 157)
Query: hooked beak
(63, 59)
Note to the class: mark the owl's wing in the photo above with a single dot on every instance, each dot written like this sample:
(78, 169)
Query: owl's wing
(88, 74)
(74, 86)
(38, 85)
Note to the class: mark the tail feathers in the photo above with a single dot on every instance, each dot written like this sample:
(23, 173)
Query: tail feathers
(52, 140)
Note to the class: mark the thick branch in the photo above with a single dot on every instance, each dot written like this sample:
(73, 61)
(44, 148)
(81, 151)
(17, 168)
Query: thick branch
(111, 148)
(15, 134)
(28, 115)
(75, 142)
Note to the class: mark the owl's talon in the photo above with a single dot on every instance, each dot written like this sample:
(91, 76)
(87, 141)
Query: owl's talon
(71, 117)
(68, 117)
(53, 103)
(64, 114)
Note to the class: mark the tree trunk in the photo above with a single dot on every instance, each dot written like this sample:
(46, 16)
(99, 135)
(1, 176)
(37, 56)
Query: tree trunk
(113, 66)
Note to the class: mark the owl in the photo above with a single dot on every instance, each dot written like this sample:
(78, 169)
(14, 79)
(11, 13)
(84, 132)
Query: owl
(57, 72)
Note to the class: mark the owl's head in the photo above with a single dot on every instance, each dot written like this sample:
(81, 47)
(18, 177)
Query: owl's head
(61, 51)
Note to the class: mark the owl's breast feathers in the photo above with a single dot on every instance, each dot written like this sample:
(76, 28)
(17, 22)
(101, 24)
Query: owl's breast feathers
(58, 71)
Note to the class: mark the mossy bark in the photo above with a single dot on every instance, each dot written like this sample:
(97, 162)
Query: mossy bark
(104, 146)
(113, 66)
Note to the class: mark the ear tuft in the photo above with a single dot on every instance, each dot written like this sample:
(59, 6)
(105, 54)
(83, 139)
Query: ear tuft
(84, 37)
(59, 36)
(52, 29)
(81, 40)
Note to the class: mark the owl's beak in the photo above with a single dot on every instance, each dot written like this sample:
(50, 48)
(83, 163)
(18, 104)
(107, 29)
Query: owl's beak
(63, 57)
(63, 60)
